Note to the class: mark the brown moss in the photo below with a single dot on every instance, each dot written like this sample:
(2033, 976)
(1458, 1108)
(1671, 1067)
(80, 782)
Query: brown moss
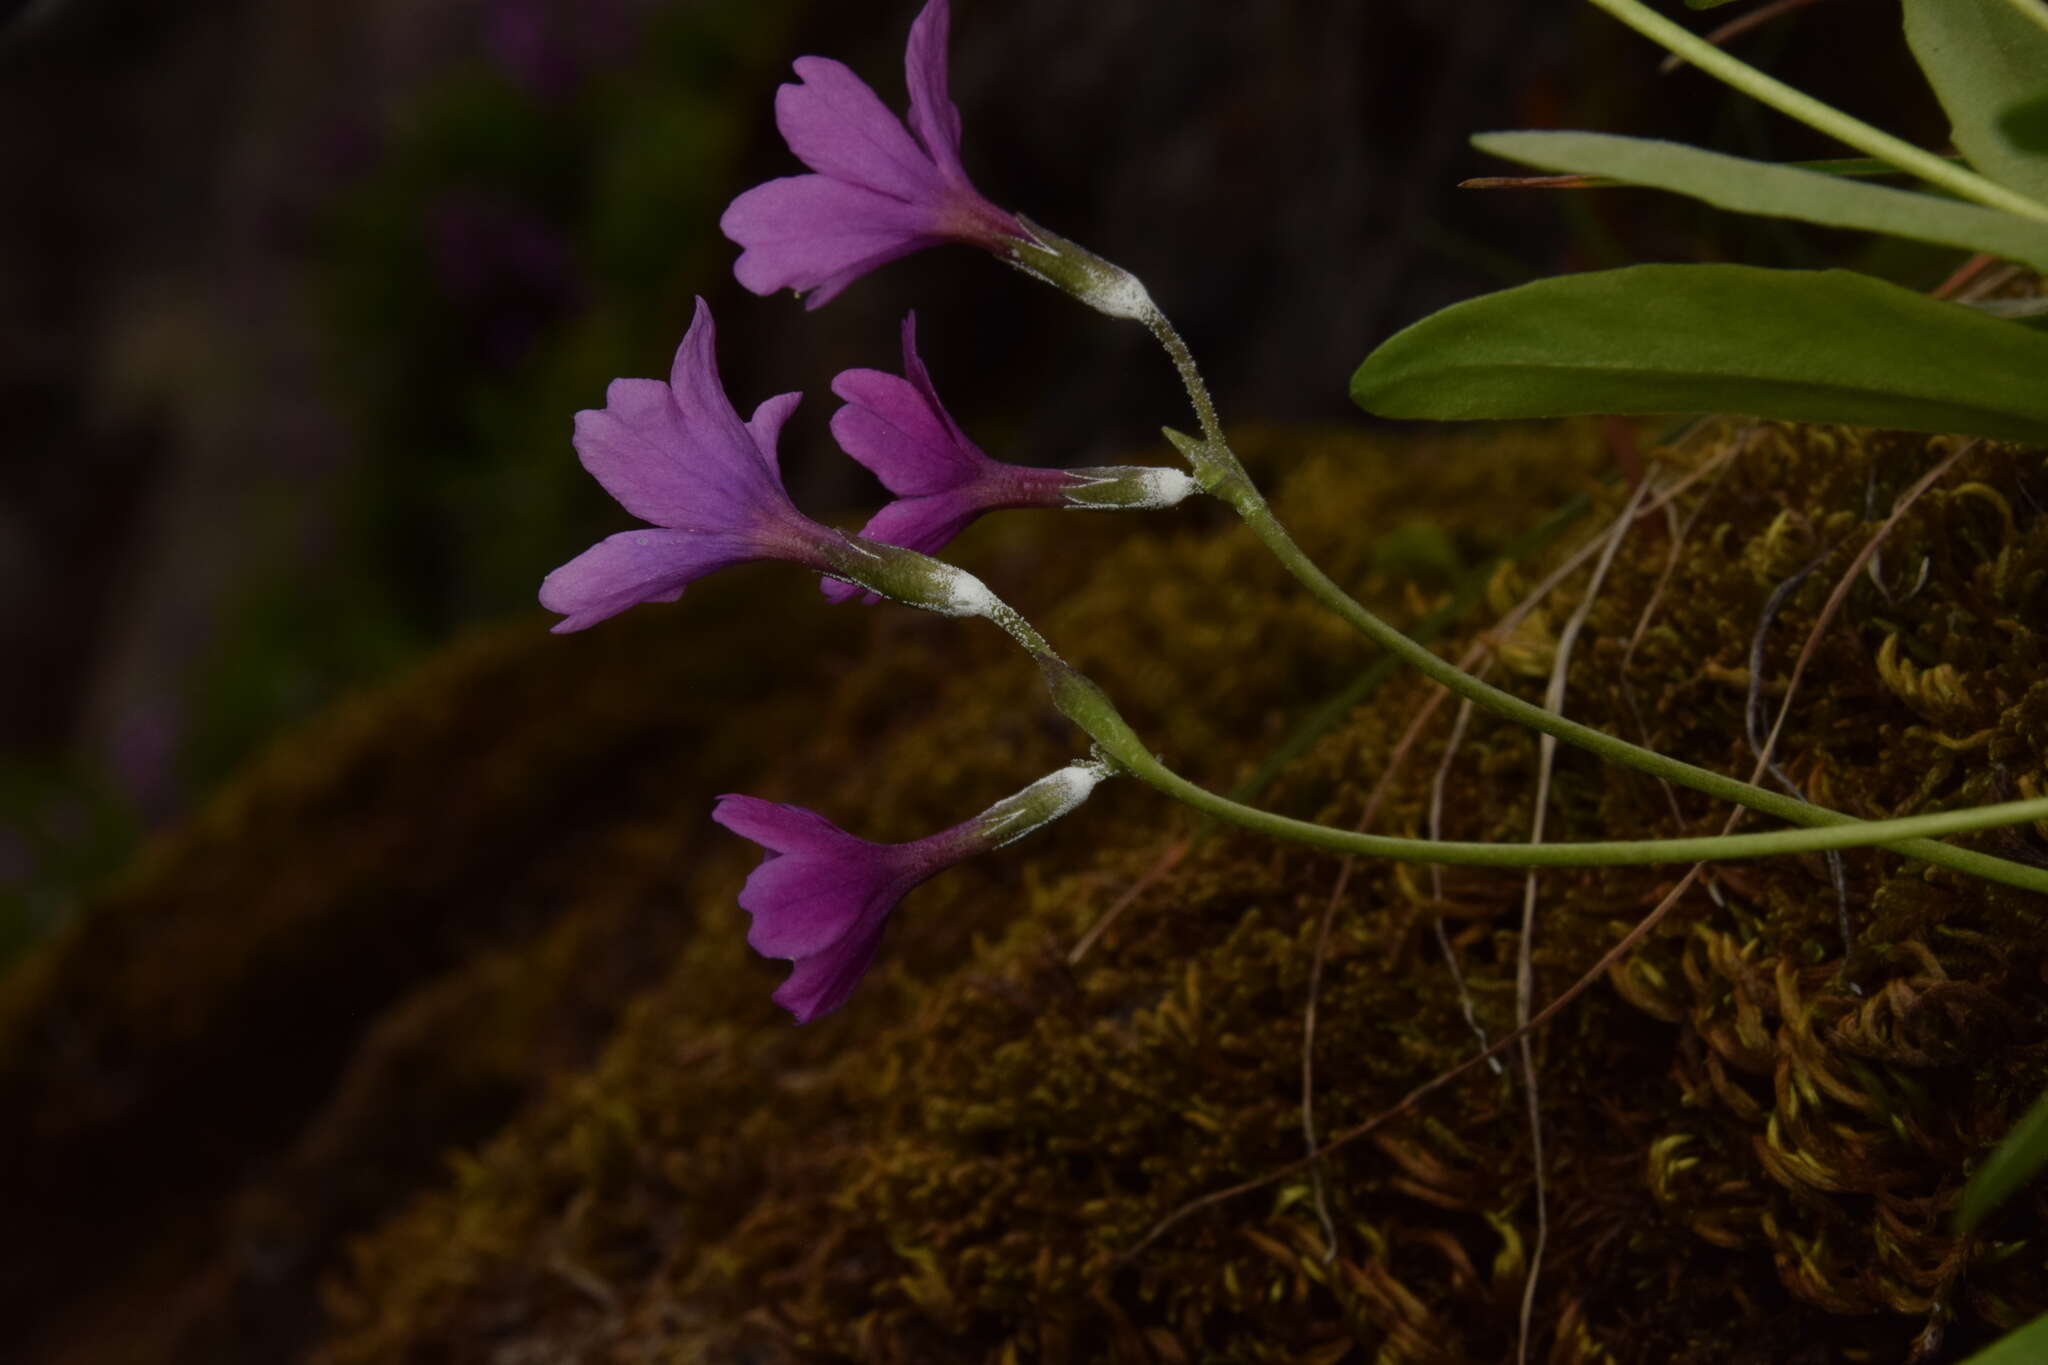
(1754, 1134)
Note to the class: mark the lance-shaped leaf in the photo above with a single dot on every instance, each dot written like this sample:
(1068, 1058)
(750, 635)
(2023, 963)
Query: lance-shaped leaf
(2017, 1158)
(1732, 182)
(1984, 57)
(1810, 346)
(2026, 1345)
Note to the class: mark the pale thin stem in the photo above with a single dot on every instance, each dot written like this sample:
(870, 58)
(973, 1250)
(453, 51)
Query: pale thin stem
(1736, 27)
(1820, 116)
(1525, 949)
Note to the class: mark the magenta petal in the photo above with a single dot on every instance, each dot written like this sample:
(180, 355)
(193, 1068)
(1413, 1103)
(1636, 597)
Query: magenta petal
(810, 232)
(888, 426)
(775, 826)
(632, 567)
(838, 127)
(676, 454)
(712, 430)
(933, 116)
(821, 895)
(803, 904)
(765, 427)
(921, 378)
(838, 590)
(822, 984)
(926, 524)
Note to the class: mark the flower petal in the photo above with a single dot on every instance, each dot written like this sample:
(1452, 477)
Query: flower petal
(649, 565)
(714, 436)
(837, 126)
(838, 590)
(822, 983)
(804, 903)
(888, 426)
(765, 427)
(676, 454)
(775, 826)
(926, 524)
(933, 116)
(816, 235)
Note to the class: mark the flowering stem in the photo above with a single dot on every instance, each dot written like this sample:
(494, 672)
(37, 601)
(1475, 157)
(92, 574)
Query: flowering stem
(1081, 701)
(1815, 114)
(1090, 278)
(1220, 472)
(1191, 377)
(1268, 529)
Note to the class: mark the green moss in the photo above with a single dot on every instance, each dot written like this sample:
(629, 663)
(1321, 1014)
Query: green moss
(1753, 1134)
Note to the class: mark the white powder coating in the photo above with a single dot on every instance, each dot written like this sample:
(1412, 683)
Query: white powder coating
(1139, 488)
(1120, 294)
(1041, 803)
(956, 592)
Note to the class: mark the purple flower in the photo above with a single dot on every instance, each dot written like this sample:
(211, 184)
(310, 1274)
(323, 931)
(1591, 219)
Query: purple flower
(878, 194)
(897, 427)
(677, 455)
(821, 896)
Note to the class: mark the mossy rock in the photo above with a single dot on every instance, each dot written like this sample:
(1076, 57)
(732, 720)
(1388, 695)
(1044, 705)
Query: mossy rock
(483, 911)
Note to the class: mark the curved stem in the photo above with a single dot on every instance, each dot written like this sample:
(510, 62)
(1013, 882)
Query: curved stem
(1219, 471)
(1083, 702)
(1268, 529)
(1198, 392)
(1815, 114)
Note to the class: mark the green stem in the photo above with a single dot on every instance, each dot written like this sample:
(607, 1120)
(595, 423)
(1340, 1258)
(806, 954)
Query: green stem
(1263, 524)
(1198, 392)
(1081, 701)
(1218, 470)
(1815, 114)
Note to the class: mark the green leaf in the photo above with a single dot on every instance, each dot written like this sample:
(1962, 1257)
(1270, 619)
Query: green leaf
(1809, 346)
(1707, 4)
(2026, 1345)
(2025, 125)
(1984, 57)
(1731, 182)
(2016, 1160)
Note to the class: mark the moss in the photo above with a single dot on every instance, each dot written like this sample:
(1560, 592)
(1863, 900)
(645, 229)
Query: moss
(1753, 1133)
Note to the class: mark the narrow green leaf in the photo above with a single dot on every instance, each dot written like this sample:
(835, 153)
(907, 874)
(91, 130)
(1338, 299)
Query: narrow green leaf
(1707, 4)
(1731, 182)
(2017, 1159)
(2026, 1345)
(1984, 57)
(1810, 346)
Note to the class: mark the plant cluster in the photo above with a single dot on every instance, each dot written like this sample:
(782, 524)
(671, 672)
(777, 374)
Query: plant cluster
(1825, 346)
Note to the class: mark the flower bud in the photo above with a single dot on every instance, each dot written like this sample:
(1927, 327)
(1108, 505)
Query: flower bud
(909, 577)
(1103, 286)
(1133, 487)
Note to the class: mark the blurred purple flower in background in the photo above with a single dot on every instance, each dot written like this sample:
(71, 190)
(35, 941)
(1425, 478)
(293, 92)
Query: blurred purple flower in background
(677, 455)
(510, 273)
(547, 46)
(877, 194)
(821, 896)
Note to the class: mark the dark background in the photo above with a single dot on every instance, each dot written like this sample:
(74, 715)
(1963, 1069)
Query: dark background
(297, 298)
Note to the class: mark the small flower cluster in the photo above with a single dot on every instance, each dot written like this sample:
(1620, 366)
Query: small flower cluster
(677, 455)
